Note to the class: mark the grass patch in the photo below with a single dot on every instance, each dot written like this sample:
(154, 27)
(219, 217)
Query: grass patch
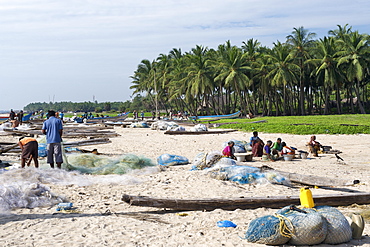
(304, 125)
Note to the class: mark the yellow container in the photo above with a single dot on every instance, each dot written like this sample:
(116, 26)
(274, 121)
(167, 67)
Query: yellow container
(306, 199)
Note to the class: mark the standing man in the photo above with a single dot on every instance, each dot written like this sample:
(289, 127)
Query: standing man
(20, 117)
(53, 128)
(12, 115)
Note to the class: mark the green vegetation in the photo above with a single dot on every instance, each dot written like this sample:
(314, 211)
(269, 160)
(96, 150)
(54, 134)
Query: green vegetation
(138, 103)
(301, 76)
(304, 125)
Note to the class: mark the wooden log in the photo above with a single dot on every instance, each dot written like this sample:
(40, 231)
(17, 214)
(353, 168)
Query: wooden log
(90, 142)
(7, 149)
(309, 179)
(245, 203)
(314, 180)
(169, 132)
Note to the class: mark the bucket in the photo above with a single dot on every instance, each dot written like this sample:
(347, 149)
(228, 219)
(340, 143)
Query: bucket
(249, 157)
(240, 158)
(304, 155)
(288, 157)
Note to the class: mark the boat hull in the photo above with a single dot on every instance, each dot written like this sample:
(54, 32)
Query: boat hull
(228, 116)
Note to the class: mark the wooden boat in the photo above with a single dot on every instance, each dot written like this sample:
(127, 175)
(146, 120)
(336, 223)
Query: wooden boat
(214, 117)
(102, 119)
(169, 132)
(4, 117)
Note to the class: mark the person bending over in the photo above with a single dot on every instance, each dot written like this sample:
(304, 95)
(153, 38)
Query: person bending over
(29, 148)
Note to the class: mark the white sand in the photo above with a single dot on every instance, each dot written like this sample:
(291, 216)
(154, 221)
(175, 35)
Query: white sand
(126, 225)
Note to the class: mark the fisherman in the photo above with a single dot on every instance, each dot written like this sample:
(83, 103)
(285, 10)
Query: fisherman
(29, 148)
(20, 117)
(12, 115)
(53, 128)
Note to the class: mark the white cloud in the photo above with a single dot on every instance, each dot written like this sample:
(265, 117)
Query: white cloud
(76, 49)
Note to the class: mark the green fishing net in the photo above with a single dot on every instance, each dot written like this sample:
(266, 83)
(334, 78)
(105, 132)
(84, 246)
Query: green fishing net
(103, 165)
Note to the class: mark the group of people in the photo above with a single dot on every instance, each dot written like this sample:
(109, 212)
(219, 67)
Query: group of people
(271, 150)
(16, 118)
(53, 129)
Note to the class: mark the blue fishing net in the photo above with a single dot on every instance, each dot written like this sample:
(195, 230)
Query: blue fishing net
(269, 229)
(171, 160)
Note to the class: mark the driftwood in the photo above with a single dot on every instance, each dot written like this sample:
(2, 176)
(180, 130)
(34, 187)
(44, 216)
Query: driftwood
(314, 180)
(69, 132)
(169, 132)
(244, 203)
(309, 179)
(90, 142)
(7, 149)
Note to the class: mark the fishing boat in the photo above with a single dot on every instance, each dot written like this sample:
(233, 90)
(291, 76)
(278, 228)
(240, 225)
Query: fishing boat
(216, 117)
(4, 117)
(120, 117)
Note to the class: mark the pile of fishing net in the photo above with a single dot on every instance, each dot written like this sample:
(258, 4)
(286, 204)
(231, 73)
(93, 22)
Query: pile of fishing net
(239, 146)
(101, 165)
(199, 127)
(307, 226)
(26, 195)
(222, 168)
(139, 125)
(164, 125)
(172, 160)
(23, 188)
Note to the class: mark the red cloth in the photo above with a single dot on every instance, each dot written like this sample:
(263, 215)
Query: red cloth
(227, 151)
(257, 150)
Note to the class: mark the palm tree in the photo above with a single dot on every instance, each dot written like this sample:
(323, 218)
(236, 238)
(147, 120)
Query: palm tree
(199, 77)
(326, 69)
(354, 60)
(232, 69)
(284, 72)
(301, 41)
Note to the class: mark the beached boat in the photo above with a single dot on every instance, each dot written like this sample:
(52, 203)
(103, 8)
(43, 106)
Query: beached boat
(171, 132)
(216, 117)
(120, 117)
(4, 117)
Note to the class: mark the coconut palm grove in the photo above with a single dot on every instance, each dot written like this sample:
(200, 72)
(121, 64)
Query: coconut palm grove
(301, 76)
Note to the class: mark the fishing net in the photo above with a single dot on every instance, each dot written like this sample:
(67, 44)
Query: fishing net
(199, 127)
(139, 125)
(205, 160)
(239, 146)
(26, 195)
(223, 168)
(171, 160)
(100, 165)
(309, 226)
(269, 229)
(163, 125)
(339, 230)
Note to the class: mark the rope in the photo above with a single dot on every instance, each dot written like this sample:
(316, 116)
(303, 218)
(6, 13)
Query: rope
(285, 230)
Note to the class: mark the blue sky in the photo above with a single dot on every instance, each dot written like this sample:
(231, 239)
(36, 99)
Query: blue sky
(80, 50)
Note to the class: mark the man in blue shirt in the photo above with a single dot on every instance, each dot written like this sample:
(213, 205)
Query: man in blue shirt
(53, 128)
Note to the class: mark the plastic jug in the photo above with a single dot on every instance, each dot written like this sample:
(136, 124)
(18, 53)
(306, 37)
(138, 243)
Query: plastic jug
(306, 199)
(357, 226)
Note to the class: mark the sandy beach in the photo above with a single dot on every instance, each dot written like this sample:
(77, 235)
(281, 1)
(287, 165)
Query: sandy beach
(101, 218)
